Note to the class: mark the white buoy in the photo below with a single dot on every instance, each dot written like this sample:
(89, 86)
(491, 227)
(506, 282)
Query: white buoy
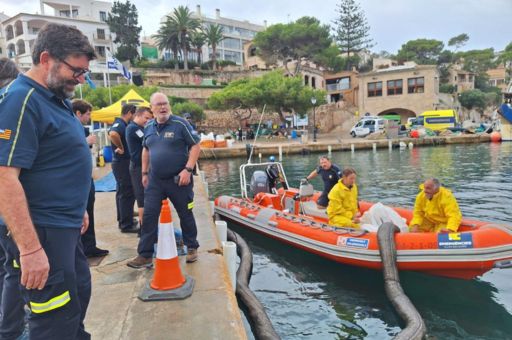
(390, 145)
(374, 147)
(411, 145)
(229, 251)
(280, 152)
(402, 145)
(352, 148)
(222, 230)
(329, 150)
(259, 156)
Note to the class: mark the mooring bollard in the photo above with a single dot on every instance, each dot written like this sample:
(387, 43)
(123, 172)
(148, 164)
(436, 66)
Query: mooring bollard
(411, 145)
(229, 251)
(352, 148)
(222, 230)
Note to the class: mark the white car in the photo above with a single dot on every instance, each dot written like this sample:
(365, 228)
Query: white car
(366, 126)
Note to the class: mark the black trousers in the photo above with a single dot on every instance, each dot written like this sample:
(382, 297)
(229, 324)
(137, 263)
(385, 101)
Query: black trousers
(89, 238)
(58, 310)
(125, 198)
(12, 312)
(182, 197)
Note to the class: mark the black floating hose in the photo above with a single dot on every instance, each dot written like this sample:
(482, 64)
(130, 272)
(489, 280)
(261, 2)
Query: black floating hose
(260, 323)
(415, 327)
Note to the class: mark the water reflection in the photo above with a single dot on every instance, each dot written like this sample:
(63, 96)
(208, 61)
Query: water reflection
(311, 298)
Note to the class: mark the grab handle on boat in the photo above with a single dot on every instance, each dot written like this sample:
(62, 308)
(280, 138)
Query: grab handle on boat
(415, 326)
(503, 264)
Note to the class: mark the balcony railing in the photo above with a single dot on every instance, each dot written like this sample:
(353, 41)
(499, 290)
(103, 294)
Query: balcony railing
(337, 87)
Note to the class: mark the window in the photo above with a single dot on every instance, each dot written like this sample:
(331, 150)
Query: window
(416, 85)
(470, 78)
(103, 16)
(66, 13)
(462, 78)
(101, 33)
(375, 89)
(100, 50)
(395, 87)
(232, 43)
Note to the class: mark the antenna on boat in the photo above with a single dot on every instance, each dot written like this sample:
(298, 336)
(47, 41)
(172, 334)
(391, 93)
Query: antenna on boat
(256, 135)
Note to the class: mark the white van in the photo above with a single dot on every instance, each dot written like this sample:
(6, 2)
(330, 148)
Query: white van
(366, 126)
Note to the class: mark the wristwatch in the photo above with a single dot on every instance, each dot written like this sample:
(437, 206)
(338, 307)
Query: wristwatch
(144, 173)
(189, 169)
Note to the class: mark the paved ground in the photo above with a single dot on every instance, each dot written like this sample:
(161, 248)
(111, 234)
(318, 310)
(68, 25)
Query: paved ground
(116, 312)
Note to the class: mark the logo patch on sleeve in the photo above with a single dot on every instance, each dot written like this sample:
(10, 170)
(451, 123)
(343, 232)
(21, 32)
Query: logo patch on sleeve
(5, 134)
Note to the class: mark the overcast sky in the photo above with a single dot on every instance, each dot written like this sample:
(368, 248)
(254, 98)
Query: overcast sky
(393, 22)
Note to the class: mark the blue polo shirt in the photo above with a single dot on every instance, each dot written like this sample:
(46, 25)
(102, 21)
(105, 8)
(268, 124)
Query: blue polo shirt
(329, 176)
(119, 126)
(134, 138)
(40, 134)
(169, 145)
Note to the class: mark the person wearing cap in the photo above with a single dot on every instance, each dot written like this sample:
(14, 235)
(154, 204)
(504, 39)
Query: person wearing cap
(188, 117)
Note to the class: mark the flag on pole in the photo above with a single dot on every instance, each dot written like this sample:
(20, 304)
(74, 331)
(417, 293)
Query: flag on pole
(114, 64)
(90, 82)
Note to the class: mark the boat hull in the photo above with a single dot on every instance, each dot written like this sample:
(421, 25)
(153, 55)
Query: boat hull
(465, 255)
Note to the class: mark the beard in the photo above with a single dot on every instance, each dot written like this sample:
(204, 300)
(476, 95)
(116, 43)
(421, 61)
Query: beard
(63, 88)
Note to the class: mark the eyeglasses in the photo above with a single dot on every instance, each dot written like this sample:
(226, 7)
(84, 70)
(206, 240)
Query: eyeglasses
(77, 71)
(160, 104)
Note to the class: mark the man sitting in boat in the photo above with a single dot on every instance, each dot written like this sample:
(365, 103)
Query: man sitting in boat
(343, 207)
(435, 209)
(330, 173)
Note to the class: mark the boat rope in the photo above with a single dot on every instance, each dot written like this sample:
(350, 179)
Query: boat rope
(256, 135)
(258, 319)
(415, 326)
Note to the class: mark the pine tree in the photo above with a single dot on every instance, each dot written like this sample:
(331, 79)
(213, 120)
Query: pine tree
(351, 31)
(123, 21)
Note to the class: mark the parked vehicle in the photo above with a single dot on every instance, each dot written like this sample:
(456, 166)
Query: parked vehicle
(366, 126)
(438, 120)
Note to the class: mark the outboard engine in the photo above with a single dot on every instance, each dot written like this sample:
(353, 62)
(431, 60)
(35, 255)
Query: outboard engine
(259, 182)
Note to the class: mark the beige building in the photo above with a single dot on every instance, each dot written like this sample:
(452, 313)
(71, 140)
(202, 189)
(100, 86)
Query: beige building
(497, 77)
(342, 86)
(406, 90)
(461, 79)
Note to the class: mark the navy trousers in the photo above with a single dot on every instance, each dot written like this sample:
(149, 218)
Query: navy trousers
(182, 198)
(125, 199)
(12, 312)
(58, 310)
(89, 238)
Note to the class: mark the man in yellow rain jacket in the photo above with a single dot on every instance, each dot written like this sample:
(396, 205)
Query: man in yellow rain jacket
(343, 206)
(436, 209)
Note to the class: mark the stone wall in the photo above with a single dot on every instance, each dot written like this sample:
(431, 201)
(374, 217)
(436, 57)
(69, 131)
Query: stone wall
(193, 77)
(328, 117)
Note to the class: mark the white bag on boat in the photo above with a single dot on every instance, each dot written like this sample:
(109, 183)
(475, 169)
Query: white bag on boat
(378, 214)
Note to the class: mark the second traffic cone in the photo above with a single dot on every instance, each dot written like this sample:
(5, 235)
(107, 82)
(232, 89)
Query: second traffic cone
(168, 282)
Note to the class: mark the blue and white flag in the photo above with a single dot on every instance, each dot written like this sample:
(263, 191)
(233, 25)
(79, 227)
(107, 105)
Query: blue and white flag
(114, 64)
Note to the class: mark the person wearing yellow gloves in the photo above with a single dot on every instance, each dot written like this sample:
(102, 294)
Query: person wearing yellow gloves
(343, 207)
(435, 209)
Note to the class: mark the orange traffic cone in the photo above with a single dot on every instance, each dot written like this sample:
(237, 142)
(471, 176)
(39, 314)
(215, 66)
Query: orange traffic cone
(168, 282)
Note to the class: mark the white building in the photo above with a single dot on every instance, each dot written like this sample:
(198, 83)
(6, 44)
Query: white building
(18, 33)
(236, 34)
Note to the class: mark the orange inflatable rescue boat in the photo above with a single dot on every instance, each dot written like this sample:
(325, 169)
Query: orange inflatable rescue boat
(290, 216)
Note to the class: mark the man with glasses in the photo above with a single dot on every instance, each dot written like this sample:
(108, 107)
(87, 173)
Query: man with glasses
(45, 169)
(170, 152)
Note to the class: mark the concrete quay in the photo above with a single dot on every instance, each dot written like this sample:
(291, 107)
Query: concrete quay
(115, 312)
(271, 147)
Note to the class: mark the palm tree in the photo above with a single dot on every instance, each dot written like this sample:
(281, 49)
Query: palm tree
(184, 25)
(197, 40)
(214, 35)
(167, 39)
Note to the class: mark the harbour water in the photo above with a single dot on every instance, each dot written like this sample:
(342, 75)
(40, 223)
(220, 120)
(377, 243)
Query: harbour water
(308, 297)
